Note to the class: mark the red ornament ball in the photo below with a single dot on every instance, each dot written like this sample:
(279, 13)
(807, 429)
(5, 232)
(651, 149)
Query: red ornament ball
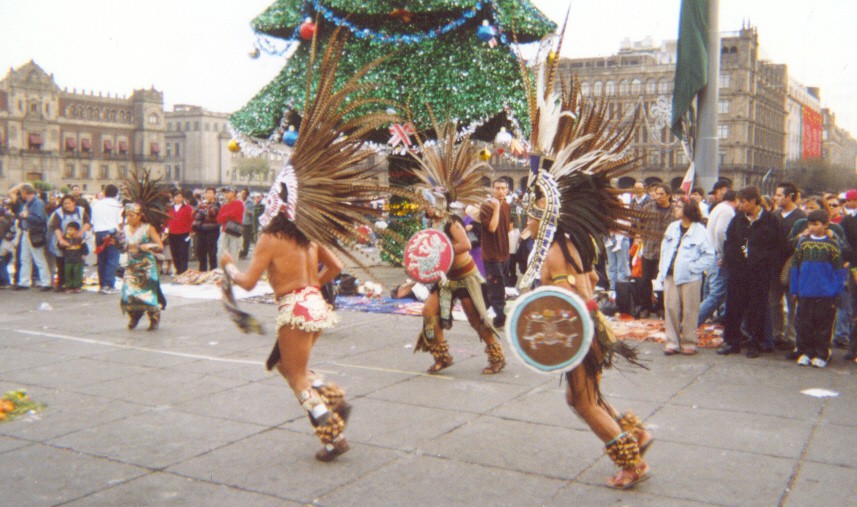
(307, 30)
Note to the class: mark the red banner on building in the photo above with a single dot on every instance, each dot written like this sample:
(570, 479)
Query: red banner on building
(811, 128)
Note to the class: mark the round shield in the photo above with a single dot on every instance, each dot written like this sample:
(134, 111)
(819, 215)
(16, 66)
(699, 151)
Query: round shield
(428, 254)
(550, 329)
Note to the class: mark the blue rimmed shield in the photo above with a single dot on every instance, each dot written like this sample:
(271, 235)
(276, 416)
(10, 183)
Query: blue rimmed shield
(550, 329)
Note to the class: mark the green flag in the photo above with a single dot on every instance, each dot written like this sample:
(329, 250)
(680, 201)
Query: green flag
(691, 70)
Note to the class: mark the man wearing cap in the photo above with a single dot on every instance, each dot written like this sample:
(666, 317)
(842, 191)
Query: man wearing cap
(849, 225)
(229, 218)
(786, 213)
(715, 197)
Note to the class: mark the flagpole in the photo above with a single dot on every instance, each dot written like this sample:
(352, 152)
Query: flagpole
(706, 151)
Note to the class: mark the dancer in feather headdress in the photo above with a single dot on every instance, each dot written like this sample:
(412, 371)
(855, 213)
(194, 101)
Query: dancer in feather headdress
(575, 152)
(144, 216)
(450, 173)
(314, 207)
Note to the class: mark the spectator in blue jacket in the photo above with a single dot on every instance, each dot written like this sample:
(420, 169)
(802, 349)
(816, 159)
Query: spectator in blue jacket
(817, 277)
(686, 253)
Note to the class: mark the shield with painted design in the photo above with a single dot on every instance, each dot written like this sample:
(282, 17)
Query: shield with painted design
(550, 329)
(428, 254)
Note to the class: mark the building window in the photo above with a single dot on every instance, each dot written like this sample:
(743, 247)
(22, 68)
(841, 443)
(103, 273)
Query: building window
(636, 87)
(187, 126)
(178, 126)
(584, 89)
(651, 87)
(624, 87)
(596, 89)
(196, 126)
(681, 158)
(178, 174)
(103, 172)
(153, 119)
(69, 171)
(178, 154)
(123, 170)
(663, 86)
(205, 126)
(169, 170)
(654, 159)
(2, 174)
(169, 126)
(722, 106)
(85, 171)
(725, 80)
(610, 88)
(721, 158)
(169, 150)
(723, 131)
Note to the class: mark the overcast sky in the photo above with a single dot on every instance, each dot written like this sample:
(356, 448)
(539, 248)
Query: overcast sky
(196, 51)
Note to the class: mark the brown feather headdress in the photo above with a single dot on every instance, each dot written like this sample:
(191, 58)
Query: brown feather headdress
(146, 195)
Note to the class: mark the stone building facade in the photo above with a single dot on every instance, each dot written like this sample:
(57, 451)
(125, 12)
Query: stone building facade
(197, 153)
(63, 138)
(752, 107)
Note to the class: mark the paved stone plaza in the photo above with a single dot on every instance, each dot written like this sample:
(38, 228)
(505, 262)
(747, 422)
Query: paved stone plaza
(188, 415)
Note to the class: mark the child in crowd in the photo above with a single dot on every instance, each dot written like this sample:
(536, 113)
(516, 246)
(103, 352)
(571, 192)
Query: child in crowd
(817, 277)
(73, 256)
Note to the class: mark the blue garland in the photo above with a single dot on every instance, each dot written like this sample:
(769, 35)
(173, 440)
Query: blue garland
(366, 33)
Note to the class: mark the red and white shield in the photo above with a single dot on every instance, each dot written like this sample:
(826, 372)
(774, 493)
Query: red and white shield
(428, 254)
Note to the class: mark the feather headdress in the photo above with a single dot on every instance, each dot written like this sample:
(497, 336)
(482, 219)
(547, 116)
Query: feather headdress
(572, 171)
(146, 195)
(327, 184)
(450, 172)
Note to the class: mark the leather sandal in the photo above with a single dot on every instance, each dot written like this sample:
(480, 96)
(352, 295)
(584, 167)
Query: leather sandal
(440, 364)
(628, 478)
(330, 453)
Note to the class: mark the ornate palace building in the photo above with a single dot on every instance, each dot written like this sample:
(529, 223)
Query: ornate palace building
(63, 138)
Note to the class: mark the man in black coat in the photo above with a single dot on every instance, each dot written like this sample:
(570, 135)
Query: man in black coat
(753, 238)
(849, 225)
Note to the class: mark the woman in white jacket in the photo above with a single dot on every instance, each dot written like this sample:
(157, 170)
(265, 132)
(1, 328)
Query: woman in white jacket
(686, 253)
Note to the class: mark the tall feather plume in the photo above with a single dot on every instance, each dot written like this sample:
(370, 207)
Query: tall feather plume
(590, 152)
(335, 182)
(453, 166)
(153, 196)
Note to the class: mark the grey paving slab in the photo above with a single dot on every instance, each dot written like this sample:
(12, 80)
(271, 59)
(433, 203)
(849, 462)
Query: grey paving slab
(574, 493)
(148, 358)
(70, 348)
(16, 359)
(168, 489)
(239, 370)
(260, 404)
(73, 373)
(738, 431)
(547, 405)
(548, 451)
(281, 463)
(658, 384)
(703, 474)
(833, 444)
(425, 480)
(751, 399)
(159, 387)
(157, 438)
(8, 444)
(68, 412)
(822, 484)
(778, 374)
(395, 425)
(44, 475)
(468, 396)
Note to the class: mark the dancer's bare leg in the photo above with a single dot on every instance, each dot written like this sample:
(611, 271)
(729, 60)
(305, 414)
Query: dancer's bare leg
(496, 359)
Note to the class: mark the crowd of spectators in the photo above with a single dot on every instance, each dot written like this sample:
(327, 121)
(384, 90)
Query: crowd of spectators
(46, 239)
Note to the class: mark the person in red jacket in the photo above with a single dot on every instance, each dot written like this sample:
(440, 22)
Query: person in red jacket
(179, 228)
(230, 217)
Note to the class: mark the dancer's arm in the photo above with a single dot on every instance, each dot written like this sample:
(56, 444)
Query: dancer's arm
(261, 260)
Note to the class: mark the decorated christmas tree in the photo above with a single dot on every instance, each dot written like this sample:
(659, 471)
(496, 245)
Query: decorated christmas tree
(455, 56)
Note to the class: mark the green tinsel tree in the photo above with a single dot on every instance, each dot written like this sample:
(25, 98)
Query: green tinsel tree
(444, 57)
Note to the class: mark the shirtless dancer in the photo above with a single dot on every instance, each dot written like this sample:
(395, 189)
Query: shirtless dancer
(463, 282)
(291, 261)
